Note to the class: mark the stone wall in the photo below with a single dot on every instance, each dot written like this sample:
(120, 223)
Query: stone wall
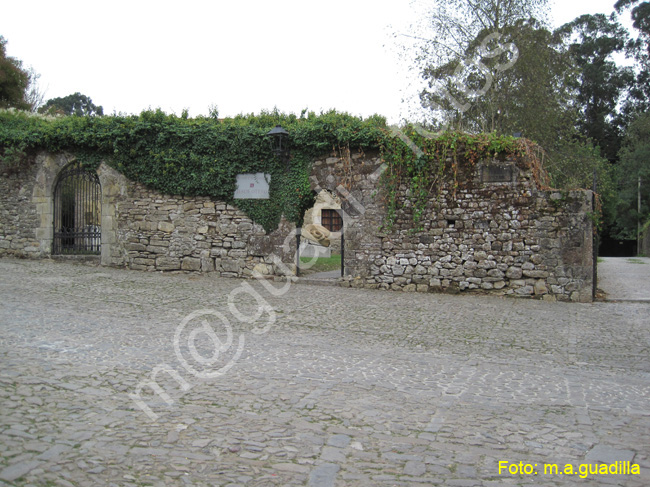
(169, 233)
(142, 229)
(19, 218)
(507, 237)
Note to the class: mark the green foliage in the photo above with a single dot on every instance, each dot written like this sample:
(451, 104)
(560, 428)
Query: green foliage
(309, 265)
(420, 162)
(634, 163)
(75, 104)
(603, 86)
(518, 80)
(639, 48)
(574, 163)
(202, 156)
(14, 80)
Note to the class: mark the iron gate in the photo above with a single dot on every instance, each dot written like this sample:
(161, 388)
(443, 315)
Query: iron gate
(77, 212)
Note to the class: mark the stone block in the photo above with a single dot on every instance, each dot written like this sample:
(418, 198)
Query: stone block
(541, 288)
(525, 291)
(262, 269)
(398, 270)
(165, 263)
(207, 264)
(135, 247)
(260, 245)
(514, 273)
(232, 265)
(166, 227)
(536, 274)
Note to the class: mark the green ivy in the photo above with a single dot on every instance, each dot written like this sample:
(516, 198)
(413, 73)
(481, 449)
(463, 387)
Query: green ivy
(200, 156)
(422, 165)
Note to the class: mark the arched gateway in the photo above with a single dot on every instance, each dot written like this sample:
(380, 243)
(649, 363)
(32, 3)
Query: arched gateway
(77, 211)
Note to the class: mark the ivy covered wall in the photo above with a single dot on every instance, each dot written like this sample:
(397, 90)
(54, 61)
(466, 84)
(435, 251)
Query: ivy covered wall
(422, 212)
(194, 157)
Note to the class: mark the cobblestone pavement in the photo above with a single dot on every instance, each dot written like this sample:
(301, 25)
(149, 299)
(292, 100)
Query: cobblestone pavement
(346, 387)
(625, 278)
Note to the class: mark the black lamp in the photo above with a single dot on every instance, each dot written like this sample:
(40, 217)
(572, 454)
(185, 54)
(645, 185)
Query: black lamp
(280, 143)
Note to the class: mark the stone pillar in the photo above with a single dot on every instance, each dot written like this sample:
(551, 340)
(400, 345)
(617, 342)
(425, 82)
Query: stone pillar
(113, 186)
(43, 197)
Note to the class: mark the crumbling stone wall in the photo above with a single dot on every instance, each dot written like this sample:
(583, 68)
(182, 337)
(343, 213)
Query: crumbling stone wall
(19, 218)
(168, 233)
(505, 237)
(142, 229)
(502, 235)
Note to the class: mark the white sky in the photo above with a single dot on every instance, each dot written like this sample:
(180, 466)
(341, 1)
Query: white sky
(241, 55)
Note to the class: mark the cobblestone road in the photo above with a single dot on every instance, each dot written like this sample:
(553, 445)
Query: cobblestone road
(326, 387)
(625, 278)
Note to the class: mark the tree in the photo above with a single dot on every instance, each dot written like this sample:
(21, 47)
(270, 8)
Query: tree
(455, 24)
(75, 104)
(505, 71)
(14, 80)
(520, 80)
(34, 95)
(634, 163)
(491, 66)
(602, 85)
(640, 13)
(639, 48)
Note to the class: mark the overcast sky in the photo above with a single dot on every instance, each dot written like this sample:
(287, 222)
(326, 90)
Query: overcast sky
(243, 56)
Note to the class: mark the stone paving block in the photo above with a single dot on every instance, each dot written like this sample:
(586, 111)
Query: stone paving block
(352, 394)
(324, 475)
(339, 441)
(54, 452)
(18, 470)
(607, 454)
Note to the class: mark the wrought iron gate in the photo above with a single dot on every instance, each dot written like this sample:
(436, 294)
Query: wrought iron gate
(77, 212)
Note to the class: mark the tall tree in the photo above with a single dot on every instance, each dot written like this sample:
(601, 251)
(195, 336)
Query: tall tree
(640, 13)
(75, 104)
(639, 100)
(603, 85)
(34, 96)
(454, 24)
(14, 80)
(501, 69)
(490, 65)
(634, 164)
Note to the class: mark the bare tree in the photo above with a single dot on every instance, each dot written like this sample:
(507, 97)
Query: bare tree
(34, 95)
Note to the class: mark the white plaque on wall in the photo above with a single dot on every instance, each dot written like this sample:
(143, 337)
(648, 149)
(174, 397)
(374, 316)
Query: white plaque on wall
(253, 186)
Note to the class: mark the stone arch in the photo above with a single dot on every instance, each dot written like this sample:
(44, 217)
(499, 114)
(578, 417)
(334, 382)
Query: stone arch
(325, 200)
(77, 209)
(113, 184)
(351, 182)
(49, 166)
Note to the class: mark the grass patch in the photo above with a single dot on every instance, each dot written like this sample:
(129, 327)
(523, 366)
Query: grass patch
(635, 261)
(322, 264)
